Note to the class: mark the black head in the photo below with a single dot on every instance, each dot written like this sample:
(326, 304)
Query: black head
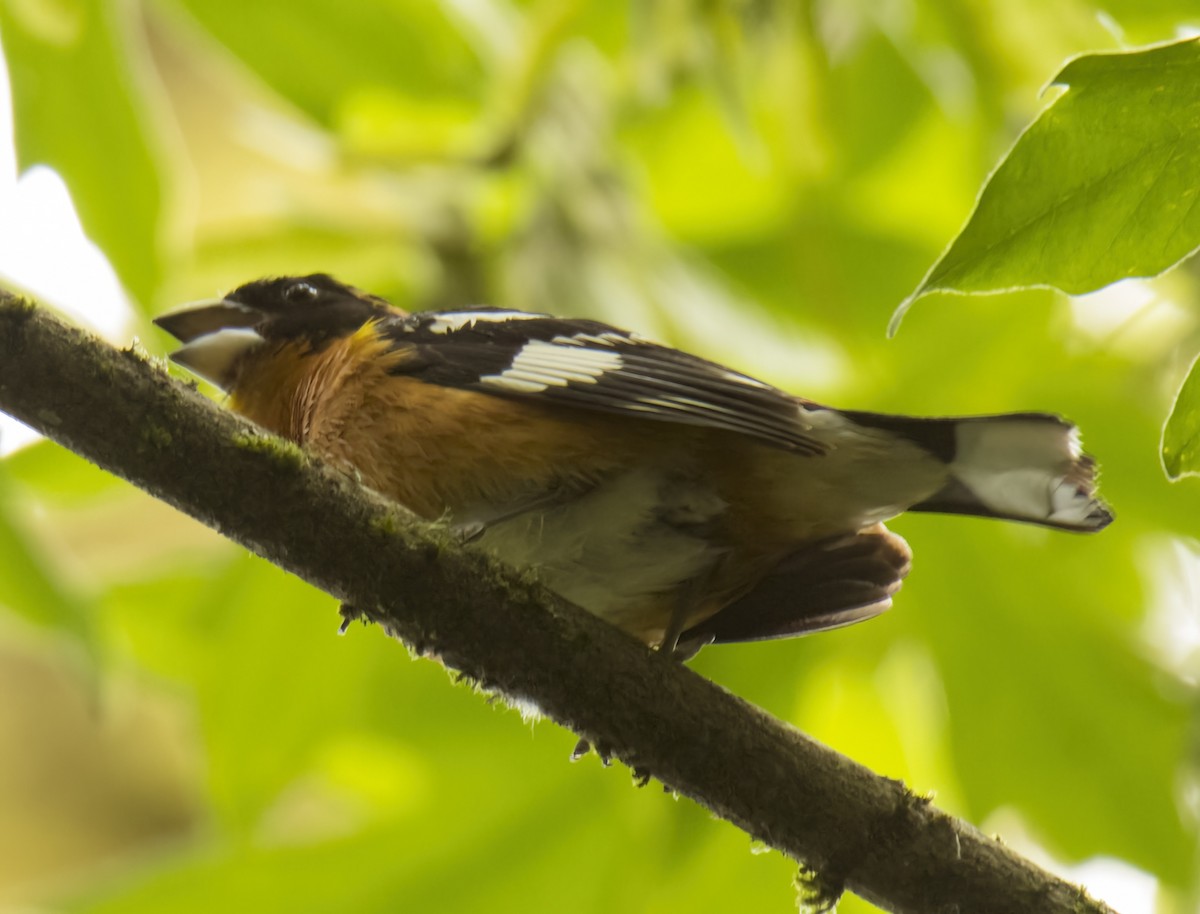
(317, 307)
(314, 309)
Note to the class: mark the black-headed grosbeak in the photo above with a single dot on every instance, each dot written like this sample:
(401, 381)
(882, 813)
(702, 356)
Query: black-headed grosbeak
(678, 499)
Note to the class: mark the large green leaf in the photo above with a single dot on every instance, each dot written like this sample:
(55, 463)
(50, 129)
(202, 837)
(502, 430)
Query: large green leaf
(74, 70)
(1102, 186)
(1181, 436)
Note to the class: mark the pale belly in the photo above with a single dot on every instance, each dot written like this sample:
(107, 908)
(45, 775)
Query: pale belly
(619, 550)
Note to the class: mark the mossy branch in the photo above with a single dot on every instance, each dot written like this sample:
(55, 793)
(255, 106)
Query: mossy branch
(850, 827)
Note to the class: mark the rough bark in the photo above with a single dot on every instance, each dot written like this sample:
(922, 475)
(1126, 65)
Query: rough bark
(852, 828)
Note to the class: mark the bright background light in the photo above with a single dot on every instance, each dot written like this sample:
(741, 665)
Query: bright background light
(44, 251)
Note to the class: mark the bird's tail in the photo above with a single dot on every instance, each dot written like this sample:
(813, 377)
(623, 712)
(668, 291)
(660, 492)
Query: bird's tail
(1021, 466)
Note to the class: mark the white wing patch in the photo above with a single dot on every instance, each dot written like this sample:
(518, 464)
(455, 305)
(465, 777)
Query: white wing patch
(739, 378)
(672, 401)
(450, 321)
(541, 365)
(587, 365)
(592, 339)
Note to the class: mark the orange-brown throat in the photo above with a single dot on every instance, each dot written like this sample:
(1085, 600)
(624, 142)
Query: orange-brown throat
(285, 386)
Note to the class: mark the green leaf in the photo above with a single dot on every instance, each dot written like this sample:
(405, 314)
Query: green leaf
(1181, 435)
(72, 68)
(1102, 186)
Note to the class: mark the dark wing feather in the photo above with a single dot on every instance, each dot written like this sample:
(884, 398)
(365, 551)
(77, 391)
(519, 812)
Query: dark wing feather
(825, 585)
(590, 365)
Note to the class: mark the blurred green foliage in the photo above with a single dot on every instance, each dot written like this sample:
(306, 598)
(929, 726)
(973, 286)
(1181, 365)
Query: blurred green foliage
(756, 180)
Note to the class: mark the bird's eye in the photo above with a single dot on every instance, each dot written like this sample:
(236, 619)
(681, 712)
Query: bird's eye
(300, 292)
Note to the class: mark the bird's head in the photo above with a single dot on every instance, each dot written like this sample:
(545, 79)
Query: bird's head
(219, 334)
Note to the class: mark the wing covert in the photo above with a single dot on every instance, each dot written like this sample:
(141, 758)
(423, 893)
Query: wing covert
(590, 365)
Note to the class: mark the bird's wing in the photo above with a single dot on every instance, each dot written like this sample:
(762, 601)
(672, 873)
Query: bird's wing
(823, 585)
(589, 365)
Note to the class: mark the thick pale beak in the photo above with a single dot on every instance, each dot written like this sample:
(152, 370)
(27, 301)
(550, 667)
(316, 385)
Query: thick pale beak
(215, 333)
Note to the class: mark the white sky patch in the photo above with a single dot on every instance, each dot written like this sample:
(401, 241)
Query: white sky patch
(1123, 887)
(1101, 313)
(14, 435)
(1134, 317)
(1172, 627)
(1118, 884)
(43, 251)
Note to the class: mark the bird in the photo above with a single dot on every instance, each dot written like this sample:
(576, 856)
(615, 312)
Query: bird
(678, 499)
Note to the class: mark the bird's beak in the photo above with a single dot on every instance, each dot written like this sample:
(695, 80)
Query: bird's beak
(216, 333)
(199, 318)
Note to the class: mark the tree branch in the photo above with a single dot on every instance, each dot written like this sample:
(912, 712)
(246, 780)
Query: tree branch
(852, 827)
